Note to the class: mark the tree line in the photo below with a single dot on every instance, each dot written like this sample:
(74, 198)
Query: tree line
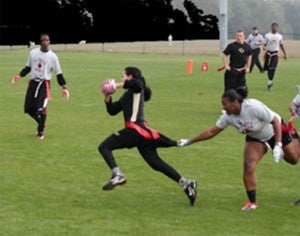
(103, 21)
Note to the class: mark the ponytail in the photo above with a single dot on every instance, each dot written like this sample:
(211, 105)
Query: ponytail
(137, 74)
(147, 90)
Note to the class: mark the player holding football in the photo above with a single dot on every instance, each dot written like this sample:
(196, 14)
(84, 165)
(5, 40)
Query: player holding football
(137, 133)
(263, 129)
(41, 63)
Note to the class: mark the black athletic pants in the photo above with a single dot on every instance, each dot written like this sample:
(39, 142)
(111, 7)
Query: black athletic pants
(36, 103)
(129, 138)
(234, 79)
(255, 60)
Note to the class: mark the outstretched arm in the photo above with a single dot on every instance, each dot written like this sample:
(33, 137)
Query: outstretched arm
(205, 135)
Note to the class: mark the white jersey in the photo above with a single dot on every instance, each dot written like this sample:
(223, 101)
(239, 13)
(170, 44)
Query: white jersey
(273, 41)
(43, 64)
(254, 120)
(255, 40)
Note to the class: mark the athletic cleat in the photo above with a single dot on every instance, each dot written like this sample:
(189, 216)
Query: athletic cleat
(114, 181)
(191, 191)
(249, 206)
(40, 136)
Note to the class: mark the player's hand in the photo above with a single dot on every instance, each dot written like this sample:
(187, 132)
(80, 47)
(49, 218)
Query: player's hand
(15, 79)
(108, 87)
(183, 142)
(278, 153)
(65, 92)
(285, 57)
(227, 67)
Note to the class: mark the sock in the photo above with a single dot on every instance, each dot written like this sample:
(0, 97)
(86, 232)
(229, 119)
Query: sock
(117, 171)
(252, 195)
(270, 82)
(183, 182)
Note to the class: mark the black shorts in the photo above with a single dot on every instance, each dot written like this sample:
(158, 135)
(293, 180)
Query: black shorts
(287, 137)
(271, 60)
(36, 97)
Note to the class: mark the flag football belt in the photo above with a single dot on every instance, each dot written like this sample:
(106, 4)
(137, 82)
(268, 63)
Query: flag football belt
(289, 129)
(40, 81)
(270, 54)
(143, 129)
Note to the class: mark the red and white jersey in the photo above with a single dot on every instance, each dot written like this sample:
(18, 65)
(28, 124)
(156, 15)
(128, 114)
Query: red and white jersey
(254, 120)
(273, 41)
(43, 64)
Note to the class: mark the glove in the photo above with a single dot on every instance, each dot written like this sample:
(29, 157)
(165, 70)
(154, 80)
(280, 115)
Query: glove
(278, 153)
(65, 92)
(183, 142)
(15, 79)
(108, 87)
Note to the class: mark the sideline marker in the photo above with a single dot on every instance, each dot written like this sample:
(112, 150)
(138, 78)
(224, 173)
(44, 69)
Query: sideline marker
(189, 66)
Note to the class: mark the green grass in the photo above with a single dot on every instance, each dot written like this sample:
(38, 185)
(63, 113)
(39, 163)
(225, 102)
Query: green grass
(54, 186)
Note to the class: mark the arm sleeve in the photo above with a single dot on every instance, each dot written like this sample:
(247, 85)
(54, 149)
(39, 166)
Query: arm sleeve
(223, 121)
(113, 108)
(227, 50)
(61, 80)
(25, 71)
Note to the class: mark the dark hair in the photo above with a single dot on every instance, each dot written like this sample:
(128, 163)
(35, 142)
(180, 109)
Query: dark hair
(44, 34)
(238, 94)
(254, 28)
(274, 24)
(137, 74)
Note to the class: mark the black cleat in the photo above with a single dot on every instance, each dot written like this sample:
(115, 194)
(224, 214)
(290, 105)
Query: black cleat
(191, 191)
(114, 181)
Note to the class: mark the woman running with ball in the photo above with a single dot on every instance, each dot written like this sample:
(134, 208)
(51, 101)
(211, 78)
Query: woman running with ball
(136, 132)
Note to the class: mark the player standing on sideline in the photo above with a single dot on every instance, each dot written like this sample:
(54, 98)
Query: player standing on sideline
(263, 129)
(273, 40)
(137, 133)
(41, 62)
(255, 40)
(239, 64)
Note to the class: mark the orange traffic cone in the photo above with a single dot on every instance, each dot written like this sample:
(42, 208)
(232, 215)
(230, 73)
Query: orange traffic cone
(189, 66)
(204, 66)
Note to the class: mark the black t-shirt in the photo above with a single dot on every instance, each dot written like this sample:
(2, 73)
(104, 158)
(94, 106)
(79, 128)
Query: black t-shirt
(238, 54)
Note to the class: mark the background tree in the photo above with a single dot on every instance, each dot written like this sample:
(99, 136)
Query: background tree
(70, 21)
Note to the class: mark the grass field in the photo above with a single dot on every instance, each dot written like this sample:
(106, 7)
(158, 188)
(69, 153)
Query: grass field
(54, 186)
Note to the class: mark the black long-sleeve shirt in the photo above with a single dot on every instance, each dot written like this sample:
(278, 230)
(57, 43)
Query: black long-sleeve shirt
(131, 102)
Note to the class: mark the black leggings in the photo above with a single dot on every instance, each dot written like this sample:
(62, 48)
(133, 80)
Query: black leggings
(129, 138)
